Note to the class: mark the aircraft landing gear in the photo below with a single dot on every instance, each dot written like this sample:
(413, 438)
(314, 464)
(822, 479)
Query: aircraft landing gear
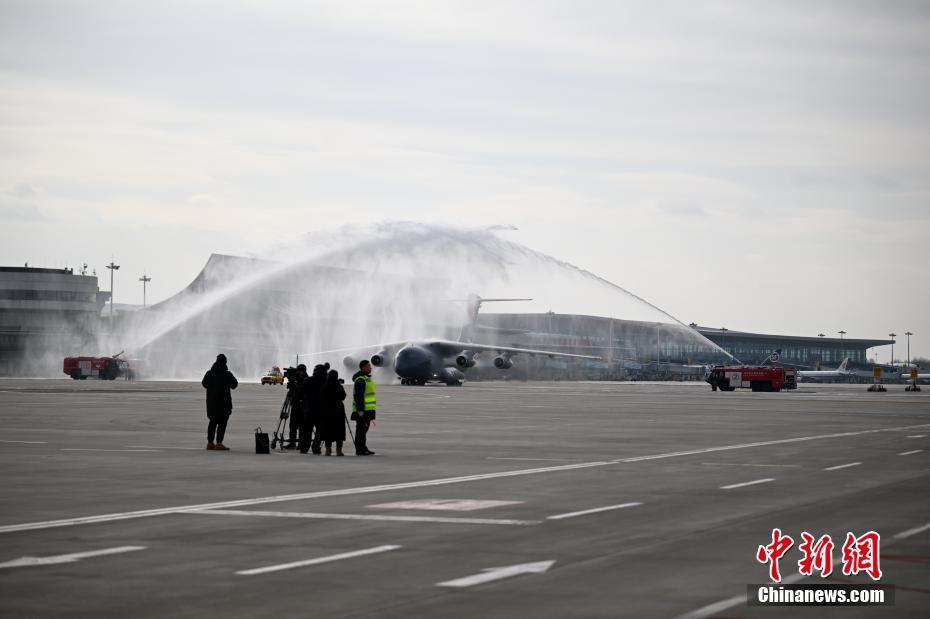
(412, 381)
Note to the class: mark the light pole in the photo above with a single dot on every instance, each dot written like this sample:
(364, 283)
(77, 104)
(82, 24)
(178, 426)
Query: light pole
(892, 336)
(842, 333)
(821, 335)
(113, 267)
(908, 334)
(145, 279)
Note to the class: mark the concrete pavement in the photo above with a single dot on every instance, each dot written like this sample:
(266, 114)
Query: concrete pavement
(650, 499)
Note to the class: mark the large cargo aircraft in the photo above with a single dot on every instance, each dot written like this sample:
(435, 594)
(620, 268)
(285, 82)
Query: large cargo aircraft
(422, 361)
(419, 362)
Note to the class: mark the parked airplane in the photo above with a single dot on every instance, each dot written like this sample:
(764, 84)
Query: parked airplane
(840, 372)
(419, 362)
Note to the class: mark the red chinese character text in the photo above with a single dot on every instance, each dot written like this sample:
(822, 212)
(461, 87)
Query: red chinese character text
(817, 555)
(860, 554)
(773, 552)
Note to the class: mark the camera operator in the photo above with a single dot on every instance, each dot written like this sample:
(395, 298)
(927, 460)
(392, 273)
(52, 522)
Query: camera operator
(310, 400)
(294, 384)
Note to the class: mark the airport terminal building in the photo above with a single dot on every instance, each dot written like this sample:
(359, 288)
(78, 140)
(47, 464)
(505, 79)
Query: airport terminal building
(808, 353)
(45, 314)
(643, 350)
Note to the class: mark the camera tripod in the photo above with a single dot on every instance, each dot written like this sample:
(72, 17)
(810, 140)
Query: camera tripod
(279, 436)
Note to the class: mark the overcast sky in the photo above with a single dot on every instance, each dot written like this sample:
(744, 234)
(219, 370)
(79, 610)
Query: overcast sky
(756, 165)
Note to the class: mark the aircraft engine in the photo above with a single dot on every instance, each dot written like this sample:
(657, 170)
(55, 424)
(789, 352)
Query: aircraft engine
(377, 360)
(503, 363)
(351, 363)
(466, 360)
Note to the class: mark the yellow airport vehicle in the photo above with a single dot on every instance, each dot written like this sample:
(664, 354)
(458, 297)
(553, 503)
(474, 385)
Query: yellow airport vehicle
(274, 377)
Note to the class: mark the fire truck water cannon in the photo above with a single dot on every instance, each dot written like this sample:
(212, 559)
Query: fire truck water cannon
(102, 368)
(756, 378)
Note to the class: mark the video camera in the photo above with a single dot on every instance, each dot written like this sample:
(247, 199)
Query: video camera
(290, 375)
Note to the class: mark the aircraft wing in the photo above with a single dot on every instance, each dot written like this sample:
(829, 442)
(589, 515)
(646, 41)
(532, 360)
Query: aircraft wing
(454, 348)
(389, 347)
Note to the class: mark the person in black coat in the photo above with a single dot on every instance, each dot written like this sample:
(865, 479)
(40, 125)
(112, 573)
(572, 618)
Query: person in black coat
(311, 404)
(333, 413)
(219, 383)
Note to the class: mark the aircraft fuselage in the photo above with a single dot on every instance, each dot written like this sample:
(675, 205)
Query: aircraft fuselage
(419, 362)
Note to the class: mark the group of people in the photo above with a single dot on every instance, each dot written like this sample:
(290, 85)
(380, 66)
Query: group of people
(317, 405)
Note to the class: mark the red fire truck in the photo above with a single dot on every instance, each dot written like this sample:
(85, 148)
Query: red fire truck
(104, 368)
(759, 378)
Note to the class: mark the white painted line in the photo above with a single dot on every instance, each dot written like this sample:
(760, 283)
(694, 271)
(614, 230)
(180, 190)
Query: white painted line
(67, 522)
(27, 442)
(317, 561)
(912, 532)
(534, 459)
(498, 573)
(122, 450)
(842, 466)
(748, 483)
(450, 505)
(712, 609)
(160, 447)
(916, 436)
(786, 466)
(910, 453)
(69, 558)
(592, 511)
(380, 517)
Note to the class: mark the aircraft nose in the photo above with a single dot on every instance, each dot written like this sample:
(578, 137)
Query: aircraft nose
(412, 363)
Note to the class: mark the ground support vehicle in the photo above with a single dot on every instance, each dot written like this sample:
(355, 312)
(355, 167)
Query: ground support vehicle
(760, 378)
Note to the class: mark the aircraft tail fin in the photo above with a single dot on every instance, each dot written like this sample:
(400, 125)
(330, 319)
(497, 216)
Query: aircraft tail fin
(843, 366)
(474, 306)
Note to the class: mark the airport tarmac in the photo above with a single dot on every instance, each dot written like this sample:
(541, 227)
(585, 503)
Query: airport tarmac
(494, 499)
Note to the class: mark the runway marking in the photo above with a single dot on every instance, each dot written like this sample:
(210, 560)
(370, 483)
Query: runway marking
(533, 459)
(380, 517)
(88, 449)
(592, 511)
(68, 558)
(27, 442)
(782, 441)
(748, 483)
(842, 466)
(498, 573)
(317, 561)
(160, 447)
(452, 505)
(66, 522)
(912, 532)
(916, 436)
(789, 466)
(712, 609)
(910, 453)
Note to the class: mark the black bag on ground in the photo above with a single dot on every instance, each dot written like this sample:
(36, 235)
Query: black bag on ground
(262, 444)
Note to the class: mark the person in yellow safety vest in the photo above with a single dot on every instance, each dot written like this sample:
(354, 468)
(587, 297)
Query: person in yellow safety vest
(364, 404)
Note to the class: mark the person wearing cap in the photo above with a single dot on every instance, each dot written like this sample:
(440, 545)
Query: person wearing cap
(219, 383)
